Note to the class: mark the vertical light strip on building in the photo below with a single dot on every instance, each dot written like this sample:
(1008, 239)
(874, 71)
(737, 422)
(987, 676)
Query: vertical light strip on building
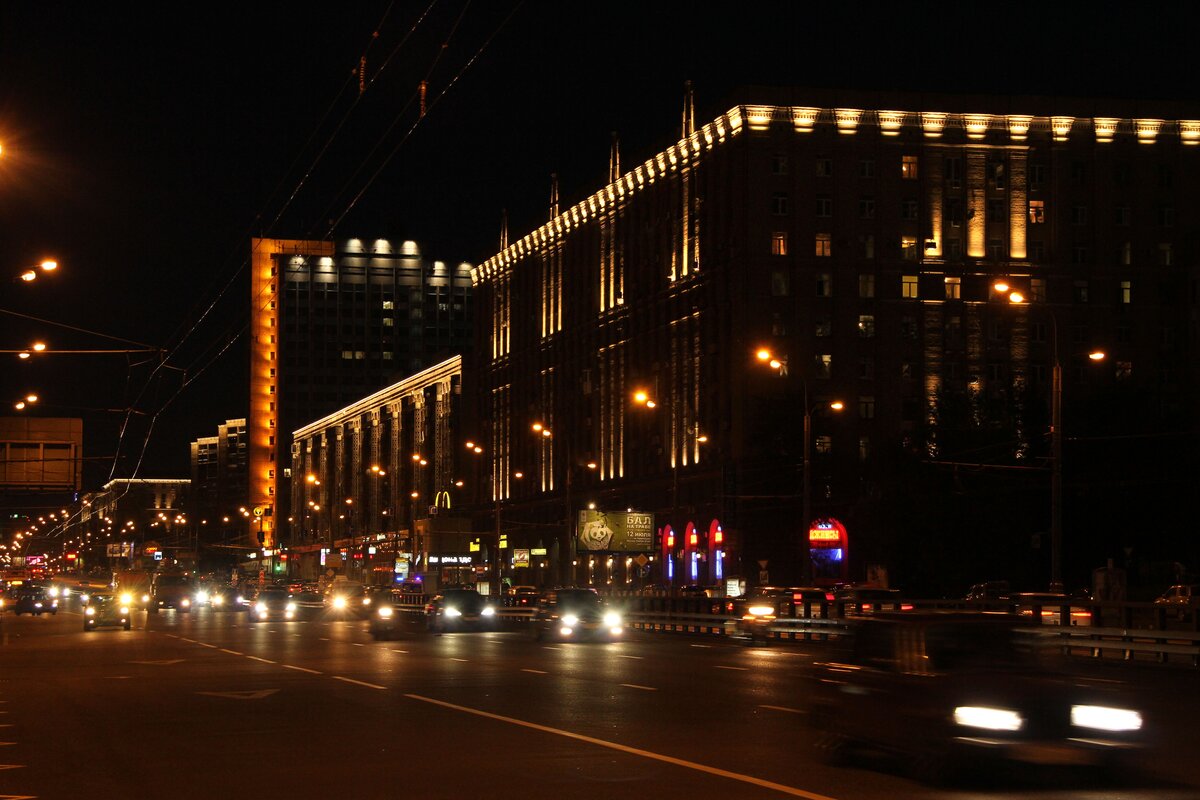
(263, 422)
(976, 202)
(1018, 213)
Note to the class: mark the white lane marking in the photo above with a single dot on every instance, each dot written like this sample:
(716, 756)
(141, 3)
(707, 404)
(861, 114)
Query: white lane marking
(360, 683)
(739, 669)
(551, 648)
(173, 636)
(679, 762)
(255, 694)
(264, 660)
(206, 644)
(231, 652)
(185, 639)
(356, 644)
(785, 708)
(458, 659)
(323, 639)
(301, 669)
(701, 645)
(12, 766)
(394, 650)
(639, 686)
(619, 655)
(536, 671)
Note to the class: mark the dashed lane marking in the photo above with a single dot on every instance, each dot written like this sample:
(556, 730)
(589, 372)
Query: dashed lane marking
(637, 658)
(785, 708)
(257, 694)
(739, 669)
(206, 644)
(12, 766)
(639, 686)
(536, 671)
(302, 669)
(458, 659)
(231, 652)
(551, 648)
(357, 644)
(679, 762)
(701, 645)
(394, 650)
(264, 660)
(360, 683)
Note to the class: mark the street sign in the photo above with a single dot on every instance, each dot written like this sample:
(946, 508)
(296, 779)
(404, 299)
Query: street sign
(259, 511)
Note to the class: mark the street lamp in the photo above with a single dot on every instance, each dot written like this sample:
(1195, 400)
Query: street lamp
(1056, 437)
(31, 274)
(780, 365)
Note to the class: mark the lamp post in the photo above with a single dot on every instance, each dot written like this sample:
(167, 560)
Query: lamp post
(780, 365)
(1015, 297)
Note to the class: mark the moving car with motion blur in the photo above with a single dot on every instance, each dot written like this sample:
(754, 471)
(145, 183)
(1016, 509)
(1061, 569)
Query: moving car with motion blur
(345, 596)
(387, 615)
(948, 691)
(1049, 607)
(106, 610)
(574, 614)
(460, 609)
(273, 604)
(763, 606)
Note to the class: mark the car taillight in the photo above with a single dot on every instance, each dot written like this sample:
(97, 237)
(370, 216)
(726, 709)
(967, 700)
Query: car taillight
(906, 606)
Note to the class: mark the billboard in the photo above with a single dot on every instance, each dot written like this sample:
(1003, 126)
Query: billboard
(614, 531)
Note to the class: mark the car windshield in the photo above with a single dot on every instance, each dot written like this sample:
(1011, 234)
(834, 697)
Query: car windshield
(952, 647)
(273, 595)
(578, 597)
(171, 580)
(464, 599)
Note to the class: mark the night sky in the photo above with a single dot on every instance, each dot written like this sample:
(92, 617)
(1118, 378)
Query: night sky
(146, 143)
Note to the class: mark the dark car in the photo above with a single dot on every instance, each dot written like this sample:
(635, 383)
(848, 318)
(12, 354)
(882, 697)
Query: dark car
(460, 609)
(225, 598)
(944, 691)
(272, 604)
(573, 614)
(36, 601)
(869, 600)
(523, 597)
(387, 615)
(1049, 606)
(105, 609)
(371, 597)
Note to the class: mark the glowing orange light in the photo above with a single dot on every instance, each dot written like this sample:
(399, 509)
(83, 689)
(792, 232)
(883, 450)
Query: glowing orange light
(1096, 356)
(1016, 297)
(763, 355)
(1000, 286)
(837, 405)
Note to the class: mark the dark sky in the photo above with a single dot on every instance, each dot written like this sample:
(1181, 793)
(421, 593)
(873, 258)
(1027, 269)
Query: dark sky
(144, 144)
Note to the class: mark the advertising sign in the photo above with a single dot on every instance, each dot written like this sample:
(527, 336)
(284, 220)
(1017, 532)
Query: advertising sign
(520, 557)
(614, 531)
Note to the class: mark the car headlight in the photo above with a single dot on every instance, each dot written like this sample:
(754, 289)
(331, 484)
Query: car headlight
(1102, 718)
(366, 601)
(86, 597)
(91, 612)
(993, 719)
(452, 612)
(761, 611)
(145, 598)
(201, 597)
(488, 611)
(217, 599)
(126, 599)
(124, 610)
(290, 607)
(53, 591)
(339, 602)
(261, 608)
(187, 602)
(37, 605)
(386, 612)
(241, 600)
(570, 620)
(612, 619)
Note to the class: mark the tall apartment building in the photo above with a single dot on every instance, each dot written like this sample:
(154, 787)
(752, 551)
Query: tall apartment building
(332, 322)
(219, 471)
(859, 238)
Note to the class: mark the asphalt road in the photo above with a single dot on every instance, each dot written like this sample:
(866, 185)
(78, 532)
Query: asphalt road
(208, 704)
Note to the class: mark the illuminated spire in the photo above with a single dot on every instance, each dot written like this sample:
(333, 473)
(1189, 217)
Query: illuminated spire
(614, 159)
(503, 229)
(553, 195)
(689, 111)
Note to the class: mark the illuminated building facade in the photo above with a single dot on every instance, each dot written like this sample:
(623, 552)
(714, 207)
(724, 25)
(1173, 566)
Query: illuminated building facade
(332, 322)
(859, 238)
(367, 475)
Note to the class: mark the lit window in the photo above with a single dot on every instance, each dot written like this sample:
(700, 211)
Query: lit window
(823, 444)
(388, 322)
(953, 288)
(866, 326)
(908, 248)
(388, 305)
(824, 244)
(908, 287)
(868, 246)
(1126, 292)
(908, 167)
(779, 243)
(1037, 212)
